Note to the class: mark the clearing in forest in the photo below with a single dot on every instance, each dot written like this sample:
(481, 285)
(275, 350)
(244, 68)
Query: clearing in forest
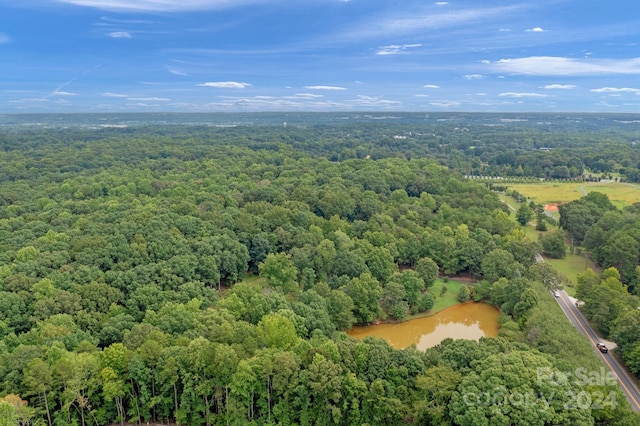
(553, 193)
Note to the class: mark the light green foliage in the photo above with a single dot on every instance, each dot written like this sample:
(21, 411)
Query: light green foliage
(277, 331)
(26, 254)
(280, 272)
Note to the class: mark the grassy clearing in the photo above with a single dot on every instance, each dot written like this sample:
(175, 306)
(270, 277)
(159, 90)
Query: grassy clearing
(570, 267)
(620, 194)
(450, 298)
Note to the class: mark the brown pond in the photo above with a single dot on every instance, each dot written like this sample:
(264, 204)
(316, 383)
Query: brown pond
(463, 321)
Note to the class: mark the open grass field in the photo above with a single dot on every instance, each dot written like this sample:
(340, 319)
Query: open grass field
(620, 194)
(570, 267)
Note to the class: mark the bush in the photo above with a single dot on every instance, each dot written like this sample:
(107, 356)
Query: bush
(443, 289)
(426, 302)
(463, 293)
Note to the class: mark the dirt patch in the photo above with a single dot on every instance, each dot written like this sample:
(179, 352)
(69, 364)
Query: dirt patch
(551, 207)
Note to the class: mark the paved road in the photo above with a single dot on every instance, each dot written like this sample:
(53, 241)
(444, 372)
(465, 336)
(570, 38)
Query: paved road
(578, 320)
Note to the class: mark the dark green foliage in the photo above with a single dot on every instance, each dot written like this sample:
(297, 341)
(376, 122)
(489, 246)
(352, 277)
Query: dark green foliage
(463, 294)
(553, 244)
(524, 214)
(124, 253)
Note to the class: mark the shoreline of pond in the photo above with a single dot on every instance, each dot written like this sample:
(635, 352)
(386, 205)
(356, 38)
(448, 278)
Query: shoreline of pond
(470, 320)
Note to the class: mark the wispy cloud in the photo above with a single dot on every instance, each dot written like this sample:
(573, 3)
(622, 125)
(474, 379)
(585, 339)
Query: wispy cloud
(416, 21)
(58, 89)
(225, 84)
(119, 34)
(4, 39)
(114, 95)
(474, 77)
(445, 104)
(177, 72)
(325, 88)
(373, 101)
(441, 3)
(554, 65)
(61, 93)
(616, 90)
(149, 99)
(308, 95)
(160, 5)
(535, 30)
(522, 95)
(431, 86)
(559, 86)
(394, 49)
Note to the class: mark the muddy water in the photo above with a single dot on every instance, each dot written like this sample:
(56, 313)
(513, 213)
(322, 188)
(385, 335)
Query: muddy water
(463, 321)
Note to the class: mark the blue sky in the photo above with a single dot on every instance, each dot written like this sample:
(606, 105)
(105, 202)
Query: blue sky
(319, 55)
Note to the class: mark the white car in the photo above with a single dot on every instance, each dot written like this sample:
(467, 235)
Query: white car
(556, 293)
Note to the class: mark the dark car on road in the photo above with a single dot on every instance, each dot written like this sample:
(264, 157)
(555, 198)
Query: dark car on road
(602, 347)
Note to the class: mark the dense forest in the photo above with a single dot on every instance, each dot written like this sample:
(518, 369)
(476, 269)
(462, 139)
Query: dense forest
(202, 275)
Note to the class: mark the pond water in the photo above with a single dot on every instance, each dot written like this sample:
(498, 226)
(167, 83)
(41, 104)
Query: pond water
(462, 321)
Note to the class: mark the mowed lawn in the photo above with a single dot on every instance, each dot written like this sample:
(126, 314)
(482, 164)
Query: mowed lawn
(450, 298)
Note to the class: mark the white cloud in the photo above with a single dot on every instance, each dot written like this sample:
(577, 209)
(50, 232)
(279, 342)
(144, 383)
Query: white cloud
(114, 95)
(308, 95)
(474, 77)
(394, 49)
(441, 3)
(536, 30)
(225, 84)
(177, 72)
(149, 99)
(59, 93)
(554, 65)
(119, 34)
(4, 39)
(373, 101)
(522, 95)
(325, 88)
(560, 86)
(431, 86)
(445, 104)
(160, 5)
(615, 90)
